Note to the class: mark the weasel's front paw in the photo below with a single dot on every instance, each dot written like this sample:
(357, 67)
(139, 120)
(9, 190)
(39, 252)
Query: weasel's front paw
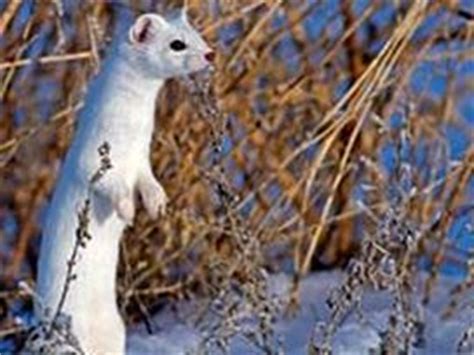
(126, 210)
(115, 190)
(154, 198)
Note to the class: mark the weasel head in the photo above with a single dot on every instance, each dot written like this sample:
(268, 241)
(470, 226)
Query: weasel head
(165, 48)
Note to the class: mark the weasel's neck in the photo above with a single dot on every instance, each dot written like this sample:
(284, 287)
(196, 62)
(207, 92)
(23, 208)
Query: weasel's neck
(129, 78)
(120, 97)
(118, 78)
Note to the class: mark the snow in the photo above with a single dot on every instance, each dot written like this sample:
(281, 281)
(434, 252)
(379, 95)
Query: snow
(355, 336)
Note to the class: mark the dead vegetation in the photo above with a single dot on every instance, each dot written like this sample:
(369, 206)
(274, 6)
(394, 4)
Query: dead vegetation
(329, 131)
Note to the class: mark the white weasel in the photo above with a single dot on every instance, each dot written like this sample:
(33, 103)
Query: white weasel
(119, 109)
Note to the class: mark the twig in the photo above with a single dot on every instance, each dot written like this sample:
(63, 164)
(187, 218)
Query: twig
(85, 55)
(8, 14)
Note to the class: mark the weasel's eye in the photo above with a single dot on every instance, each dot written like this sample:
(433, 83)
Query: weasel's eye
(178, 45)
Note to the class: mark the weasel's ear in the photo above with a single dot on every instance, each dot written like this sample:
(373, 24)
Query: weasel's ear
(183, 14)
(145, 28)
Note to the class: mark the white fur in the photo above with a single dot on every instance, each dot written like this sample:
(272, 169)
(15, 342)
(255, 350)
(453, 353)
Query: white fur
(119, 109)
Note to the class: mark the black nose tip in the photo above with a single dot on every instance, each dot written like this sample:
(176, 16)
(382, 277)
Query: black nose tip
(210, 56)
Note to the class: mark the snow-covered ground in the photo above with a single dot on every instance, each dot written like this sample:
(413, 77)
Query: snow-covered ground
(355, 336)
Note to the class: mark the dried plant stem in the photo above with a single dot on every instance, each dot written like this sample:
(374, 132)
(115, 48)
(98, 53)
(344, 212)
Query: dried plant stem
(51, 59)
(8, 14)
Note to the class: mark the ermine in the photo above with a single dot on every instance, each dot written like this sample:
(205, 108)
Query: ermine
(119, 110)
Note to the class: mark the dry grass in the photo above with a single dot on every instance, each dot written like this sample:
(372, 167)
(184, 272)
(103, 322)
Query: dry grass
(324, 122)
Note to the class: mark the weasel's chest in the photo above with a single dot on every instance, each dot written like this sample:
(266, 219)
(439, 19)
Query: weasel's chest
(128, 148)
(125, 128)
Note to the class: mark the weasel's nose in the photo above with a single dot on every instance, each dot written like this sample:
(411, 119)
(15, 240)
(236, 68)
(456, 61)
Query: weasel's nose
(210, 56)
